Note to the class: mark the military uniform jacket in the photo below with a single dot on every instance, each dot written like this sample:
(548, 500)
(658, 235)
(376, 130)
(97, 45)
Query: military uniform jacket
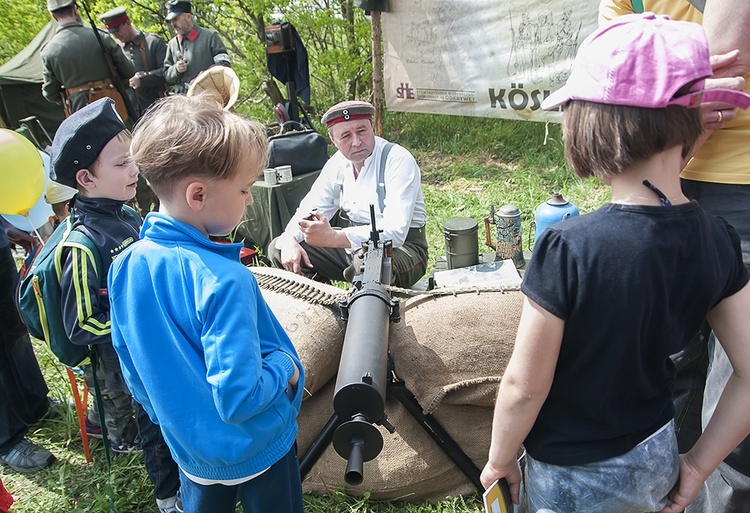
(151, 70)
(73, 57)
(201, 49)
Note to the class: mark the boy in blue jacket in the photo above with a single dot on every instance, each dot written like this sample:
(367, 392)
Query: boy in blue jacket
(91, 155)
(200, 349)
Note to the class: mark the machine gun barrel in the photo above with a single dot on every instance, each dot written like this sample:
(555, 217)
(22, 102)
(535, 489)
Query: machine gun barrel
(362, 378)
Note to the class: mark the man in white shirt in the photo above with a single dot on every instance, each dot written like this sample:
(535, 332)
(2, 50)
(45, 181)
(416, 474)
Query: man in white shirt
(333, 219)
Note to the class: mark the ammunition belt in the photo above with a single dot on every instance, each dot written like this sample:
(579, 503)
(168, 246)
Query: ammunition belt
(298, 289)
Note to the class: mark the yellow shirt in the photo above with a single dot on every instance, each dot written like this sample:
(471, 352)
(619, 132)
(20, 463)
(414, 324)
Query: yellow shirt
(725, 156)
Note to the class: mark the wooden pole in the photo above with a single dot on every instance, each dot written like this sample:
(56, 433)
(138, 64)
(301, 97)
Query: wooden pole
(378, 99)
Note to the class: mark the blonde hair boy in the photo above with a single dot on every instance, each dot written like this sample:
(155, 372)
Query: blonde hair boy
(201, 350)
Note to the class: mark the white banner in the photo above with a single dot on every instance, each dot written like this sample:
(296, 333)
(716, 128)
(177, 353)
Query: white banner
(484, 58)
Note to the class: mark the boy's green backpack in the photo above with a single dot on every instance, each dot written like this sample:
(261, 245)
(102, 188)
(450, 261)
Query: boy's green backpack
(38, 293)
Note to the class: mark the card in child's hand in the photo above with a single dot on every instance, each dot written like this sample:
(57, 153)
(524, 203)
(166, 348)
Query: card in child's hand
(497, 498)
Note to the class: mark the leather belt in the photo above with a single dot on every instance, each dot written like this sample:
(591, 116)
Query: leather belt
(91, 86)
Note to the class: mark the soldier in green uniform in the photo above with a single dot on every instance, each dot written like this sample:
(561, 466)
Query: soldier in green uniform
(192, 50)
(146, 52)
(75, 70)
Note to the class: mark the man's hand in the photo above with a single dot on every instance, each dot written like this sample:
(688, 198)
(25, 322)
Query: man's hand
(293, 256)
(317, 231)
(21, 238)
(715, 114)
(181, 65)
(135, 81)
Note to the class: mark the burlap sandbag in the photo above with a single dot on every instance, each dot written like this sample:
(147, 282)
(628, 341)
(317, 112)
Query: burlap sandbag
(411, 465)
(316, 330)
(453, 348)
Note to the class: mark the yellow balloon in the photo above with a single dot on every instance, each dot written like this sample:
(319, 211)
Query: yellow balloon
(22, 176)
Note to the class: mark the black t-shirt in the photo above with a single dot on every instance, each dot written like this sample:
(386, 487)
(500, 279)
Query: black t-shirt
(633, 285)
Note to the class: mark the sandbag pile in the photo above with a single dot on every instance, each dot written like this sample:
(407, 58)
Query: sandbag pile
(316, 330)
(450, 350)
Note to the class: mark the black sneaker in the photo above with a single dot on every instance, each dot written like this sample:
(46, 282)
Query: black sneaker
(27, 457)
(92, 430)
(125, 447)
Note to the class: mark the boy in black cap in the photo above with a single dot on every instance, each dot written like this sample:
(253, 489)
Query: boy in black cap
(91, 153)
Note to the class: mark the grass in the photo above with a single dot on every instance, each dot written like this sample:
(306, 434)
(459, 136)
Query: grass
(467, 165)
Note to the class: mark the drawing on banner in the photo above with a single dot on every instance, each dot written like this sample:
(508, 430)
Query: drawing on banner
(481, 57)
(538, 46)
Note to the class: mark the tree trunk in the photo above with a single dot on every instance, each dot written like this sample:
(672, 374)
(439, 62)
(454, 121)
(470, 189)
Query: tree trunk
(378, 100)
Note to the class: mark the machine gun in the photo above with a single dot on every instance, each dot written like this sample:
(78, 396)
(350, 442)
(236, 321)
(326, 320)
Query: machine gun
(363, 370)
(366, 378)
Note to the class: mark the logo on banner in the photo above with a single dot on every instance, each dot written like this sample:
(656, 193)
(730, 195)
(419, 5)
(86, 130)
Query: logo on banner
(517, 98)
(404, 92)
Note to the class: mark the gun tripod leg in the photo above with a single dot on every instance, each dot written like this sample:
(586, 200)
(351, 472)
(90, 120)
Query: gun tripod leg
(318, 446)
(437, 432)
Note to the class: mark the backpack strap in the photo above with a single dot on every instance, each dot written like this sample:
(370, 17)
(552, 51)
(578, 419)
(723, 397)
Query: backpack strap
(77, 238)
(381, 175)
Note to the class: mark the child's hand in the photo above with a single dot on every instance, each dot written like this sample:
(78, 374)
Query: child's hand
(512, 474)
(295, 378)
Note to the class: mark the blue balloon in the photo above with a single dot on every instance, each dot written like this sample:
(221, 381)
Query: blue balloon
(39, 213)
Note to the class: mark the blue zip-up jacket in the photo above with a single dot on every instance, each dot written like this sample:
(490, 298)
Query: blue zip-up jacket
(202, 352)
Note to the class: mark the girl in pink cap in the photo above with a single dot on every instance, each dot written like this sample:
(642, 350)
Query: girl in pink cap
(611, 294)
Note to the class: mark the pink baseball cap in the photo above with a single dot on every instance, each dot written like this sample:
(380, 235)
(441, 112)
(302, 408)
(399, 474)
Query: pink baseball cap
(643, 60)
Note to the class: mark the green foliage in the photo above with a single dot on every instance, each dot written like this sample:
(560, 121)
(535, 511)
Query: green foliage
(20, 22)
(336, 36)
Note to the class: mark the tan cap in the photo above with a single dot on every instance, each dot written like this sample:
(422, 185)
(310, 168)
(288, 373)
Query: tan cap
(53, 5)
(58, 193)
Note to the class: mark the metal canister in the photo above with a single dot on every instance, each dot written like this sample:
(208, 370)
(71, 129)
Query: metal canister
(461, 243)
(507, 244)
(555, 209)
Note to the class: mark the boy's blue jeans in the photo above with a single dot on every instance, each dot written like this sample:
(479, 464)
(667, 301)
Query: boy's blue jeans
(277, 489)
(636, 482)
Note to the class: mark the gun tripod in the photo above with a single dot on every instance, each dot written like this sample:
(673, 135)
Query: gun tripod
(366, 377)
(397, 389)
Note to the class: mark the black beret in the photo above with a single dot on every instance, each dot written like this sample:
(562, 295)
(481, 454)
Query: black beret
(81, 138)
(348, 111)
(177, 7)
